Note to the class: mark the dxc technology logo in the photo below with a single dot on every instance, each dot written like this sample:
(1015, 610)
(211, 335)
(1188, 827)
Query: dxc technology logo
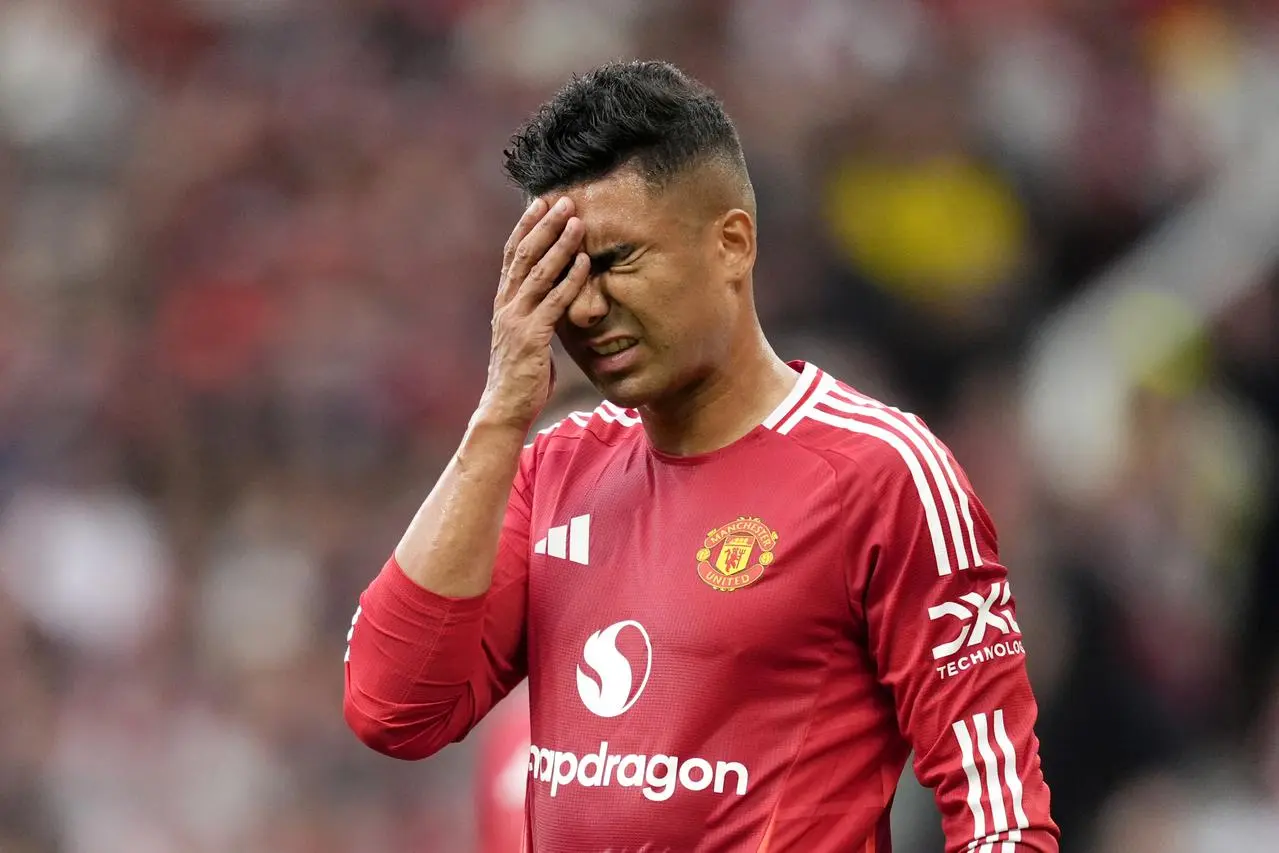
(976, 613)
(611, 691)
(979, 614)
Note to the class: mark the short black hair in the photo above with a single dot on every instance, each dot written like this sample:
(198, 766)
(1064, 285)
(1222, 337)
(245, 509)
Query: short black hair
(645, 114)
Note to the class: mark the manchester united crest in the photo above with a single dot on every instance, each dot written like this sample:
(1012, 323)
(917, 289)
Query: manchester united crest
(736, 554)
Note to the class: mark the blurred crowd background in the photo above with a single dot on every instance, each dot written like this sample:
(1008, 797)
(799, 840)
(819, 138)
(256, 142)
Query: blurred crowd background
(247, 256)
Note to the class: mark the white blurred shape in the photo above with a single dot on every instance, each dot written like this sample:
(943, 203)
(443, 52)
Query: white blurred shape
(511, 786)
(816, 40)
(1238, 824)
(1082, 369)
(1029, 91)
(57, 85)
(134, 770)
(223, 777)
(89, 567)
(540, 41)
(259, 603)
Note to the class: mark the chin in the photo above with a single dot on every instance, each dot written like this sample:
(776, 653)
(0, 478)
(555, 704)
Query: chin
(627, 392)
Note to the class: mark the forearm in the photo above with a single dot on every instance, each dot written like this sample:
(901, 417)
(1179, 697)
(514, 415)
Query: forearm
(450, 546)
(422, 667)
(440, 634)
(415, 665)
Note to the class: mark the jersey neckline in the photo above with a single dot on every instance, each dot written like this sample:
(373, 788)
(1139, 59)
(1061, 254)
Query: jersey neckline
(805, 381)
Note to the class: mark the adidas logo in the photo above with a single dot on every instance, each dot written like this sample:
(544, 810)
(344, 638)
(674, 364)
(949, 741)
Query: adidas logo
(570, 541)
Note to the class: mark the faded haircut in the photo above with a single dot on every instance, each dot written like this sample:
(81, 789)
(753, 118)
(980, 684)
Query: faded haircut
(649, 116)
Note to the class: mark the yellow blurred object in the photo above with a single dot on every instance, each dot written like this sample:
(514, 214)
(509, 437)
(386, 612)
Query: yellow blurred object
(933, 231)
(1162, 342)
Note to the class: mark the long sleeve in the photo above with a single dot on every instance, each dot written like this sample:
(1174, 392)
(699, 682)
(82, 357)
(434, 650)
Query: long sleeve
(423, 669)
(942, 629)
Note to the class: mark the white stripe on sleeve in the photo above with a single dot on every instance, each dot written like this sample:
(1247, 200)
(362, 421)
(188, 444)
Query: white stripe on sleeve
(1011, 779)
(940, 551)
(941, 453)
(1001, 786)
(925, 453)
(974, 784)
(994, 784)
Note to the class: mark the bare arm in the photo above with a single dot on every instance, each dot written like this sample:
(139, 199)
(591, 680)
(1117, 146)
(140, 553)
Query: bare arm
(439, 636)
(451, 543)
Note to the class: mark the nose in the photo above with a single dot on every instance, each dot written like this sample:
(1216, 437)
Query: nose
(590, 306)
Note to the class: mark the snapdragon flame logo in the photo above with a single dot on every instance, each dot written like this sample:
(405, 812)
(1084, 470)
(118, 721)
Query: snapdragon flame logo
(612, 690)
(617, 662)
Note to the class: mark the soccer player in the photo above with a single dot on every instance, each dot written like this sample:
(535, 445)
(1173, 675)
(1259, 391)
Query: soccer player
(741, 591)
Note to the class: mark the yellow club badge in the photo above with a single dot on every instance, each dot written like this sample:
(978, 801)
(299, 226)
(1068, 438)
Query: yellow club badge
(736, 554)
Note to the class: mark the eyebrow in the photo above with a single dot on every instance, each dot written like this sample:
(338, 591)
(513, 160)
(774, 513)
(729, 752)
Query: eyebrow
(606, 258)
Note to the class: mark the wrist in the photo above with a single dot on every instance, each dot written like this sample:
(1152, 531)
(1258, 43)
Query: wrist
(489, 425)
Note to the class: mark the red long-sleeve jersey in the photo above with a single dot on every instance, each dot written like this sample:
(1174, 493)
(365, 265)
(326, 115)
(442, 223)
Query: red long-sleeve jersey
(735, 651)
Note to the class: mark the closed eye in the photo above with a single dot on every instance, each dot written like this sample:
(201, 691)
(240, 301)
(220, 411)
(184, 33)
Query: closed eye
(614, 256)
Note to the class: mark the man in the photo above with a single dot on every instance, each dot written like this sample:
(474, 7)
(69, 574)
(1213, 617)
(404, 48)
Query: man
(741, 591)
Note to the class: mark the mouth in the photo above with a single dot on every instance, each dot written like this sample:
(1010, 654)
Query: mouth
(613, 347)
(612, 357)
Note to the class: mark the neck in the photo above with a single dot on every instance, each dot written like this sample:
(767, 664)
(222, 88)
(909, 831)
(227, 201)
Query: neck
(724, 405)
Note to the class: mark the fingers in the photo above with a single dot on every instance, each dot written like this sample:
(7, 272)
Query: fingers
(508, 285)
(554, 263)
(552, 308)
(530, 248)
(532, 215)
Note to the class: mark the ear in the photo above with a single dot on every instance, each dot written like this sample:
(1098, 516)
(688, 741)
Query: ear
(736, 245)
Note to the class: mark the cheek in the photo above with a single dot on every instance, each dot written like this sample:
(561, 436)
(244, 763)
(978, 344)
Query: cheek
(676, 306)
(694, 329)
(673, 313)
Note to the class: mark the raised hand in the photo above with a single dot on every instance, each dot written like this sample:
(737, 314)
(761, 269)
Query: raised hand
(543, 269)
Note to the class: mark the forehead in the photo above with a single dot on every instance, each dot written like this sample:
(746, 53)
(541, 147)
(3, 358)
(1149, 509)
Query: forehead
(620, 207)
